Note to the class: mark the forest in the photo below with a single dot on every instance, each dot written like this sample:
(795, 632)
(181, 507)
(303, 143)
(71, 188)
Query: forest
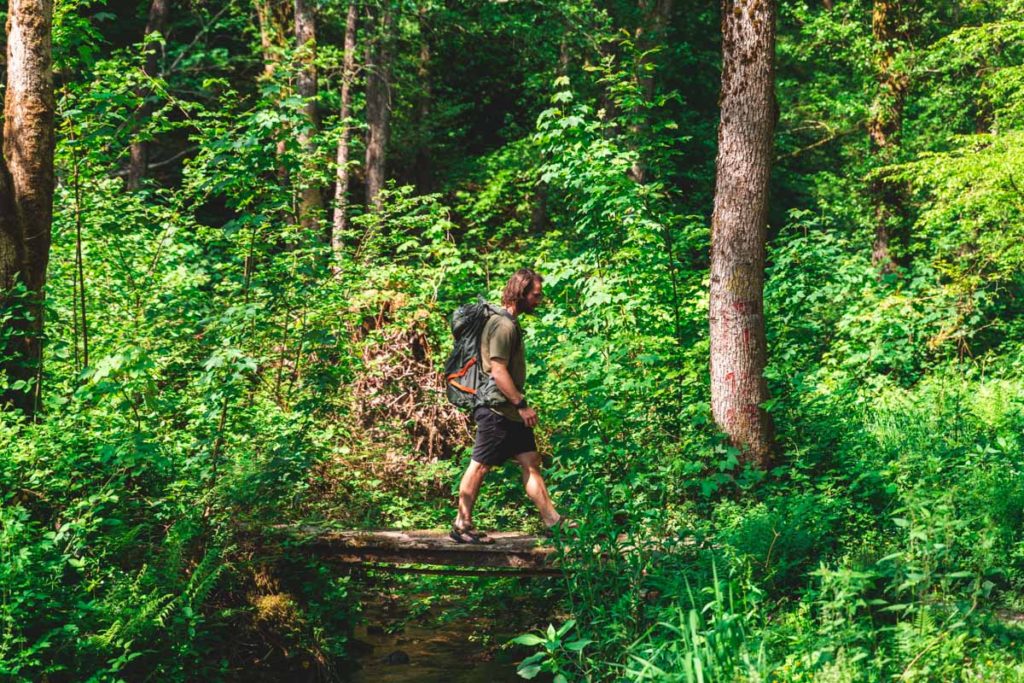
(778, 368)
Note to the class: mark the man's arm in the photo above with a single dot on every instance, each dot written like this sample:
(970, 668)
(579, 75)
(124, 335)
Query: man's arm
(503, 380)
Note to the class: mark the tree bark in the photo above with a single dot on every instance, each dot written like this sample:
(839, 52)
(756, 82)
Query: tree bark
(885, 122)
(656, 17)
(311, 203)
(26, 195)
(423, 167)
(738, 228)
(378, 108)
(273, 18)
(340, 224)
(139, 161)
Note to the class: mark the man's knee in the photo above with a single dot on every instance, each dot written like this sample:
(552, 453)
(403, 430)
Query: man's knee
(474, 475)
(529, 460)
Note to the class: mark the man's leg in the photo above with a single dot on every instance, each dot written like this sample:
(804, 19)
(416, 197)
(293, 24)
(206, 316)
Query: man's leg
(469, 487)
(536, 489)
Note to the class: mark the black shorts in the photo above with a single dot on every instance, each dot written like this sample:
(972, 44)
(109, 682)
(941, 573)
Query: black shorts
(499, 438)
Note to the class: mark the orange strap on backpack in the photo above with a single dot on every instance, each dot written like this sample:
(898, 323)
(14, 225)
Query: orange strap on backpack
(455, 375)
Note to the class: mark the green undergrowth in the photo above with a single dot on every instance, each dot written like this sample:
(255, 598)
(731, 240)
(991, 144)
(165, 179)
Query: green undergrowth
(241, 376)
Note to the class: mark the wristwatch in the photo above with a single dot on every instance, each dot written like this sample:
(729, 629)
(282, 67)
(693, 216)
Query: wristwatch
(521, 404)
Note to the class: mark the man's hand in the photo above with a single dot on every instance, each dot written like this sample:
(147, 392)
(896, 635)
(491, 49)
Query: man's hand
(529, 416)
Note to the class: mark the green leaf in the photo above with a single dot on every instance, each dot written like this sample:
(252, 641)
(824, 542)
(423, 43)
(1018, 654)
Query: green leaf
(577, 645)
(566, 627)
(528, 672)
(528, 639)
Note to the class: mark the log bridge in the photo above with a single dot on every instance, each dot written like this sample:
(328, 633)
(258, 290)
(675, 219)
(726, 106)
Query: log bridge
(511, 553)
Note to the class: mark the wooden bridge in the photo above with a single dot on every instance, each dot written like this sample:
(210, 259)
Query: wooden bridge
(407, 551)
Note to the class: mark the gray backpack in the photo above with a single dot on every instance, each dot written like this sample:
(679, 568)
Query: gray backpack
(467, 386)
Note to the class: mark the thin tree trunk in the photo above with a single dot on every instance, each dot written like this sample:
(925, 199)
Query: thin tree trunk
(311, 203)
(274, 17)
(340, 224)
(26, 195)
(656, 17)
(80, 292)
(139, 162)
(738, 227)
(423, 171)
(378, 109)
(887, 27)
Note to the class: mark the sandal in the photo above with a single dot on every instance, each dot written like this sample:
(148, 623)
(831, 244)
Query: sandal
(469, 535)
(560, 526)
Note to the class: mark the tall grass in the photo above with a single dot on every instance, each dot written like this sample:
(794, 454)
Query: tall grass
(702, 643)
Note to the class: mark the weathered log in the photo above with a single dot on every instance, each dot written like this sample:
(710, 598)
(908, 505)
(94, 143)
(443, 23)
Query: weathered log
(434, 547)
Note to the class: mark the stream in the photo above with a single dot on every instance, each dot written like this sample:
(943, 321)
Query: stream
(435, 646)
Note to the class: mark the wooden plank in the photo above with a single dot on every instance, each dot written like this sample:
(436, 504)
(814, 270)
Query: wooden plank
(521, 572)
(434, 547)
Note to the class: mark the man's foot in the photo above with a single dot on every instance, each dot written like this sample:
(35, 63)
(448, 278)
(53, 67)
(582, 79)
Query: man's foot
(467, 534)
(561, 525)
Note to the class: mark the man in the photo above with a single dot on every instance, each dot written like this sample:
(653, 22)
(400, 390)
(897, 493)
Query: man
(505, 431)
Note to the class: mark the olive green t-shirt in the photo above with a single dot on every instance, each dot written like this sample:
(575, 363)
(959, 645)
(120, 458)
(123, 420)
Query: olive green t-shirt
(502, 338)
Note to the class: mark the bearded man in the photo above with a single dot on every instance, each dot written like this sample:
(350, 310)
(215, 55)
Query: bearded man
(505, 429)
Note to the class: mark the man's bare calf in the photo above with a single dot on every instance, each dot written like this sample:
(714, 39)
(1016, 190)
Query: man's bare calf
(533, 482)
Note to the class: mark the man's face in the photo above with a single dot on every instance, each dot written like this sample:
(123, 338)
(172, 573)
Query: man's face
(533, 297)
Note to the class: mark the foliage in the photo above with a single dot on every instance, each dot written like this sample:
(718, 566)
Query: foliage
(557, 645)
(214, 369)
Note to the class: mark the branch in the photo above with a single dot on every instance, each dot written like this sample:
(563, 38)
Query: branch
(160, 164)
(195, 40)
(818, 143)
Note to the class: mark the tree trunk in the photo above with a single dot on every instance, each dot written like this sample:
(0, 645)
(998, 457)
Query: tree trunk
(887, 27)
(26, 195)
(274, 18)
(139, 162)
(656, 17)
(341, 187)
(378, 109)
(423, 171)
(311, 203)
(738, 227)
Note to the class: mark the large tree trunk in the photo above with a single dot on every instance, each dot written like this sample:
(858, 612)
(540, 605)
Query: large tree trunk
(738, 227)
(378, 108)
(26, 195)
(887, 27)
(311, 201)
(340, 224)
(139, 162)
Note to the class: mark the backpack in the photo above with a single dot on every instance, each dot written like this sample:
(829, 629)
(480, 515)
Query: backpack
(465, 382)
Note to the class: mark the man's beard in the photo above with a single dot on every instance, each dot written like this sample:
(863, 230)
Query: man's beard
(525, 307)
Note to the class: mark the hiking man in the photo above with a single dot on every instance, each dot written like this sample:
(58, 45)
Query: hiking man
(505, 430)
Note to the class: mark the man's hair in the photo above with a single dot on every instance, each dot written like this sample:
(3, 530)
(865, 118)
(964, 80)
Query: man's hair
(519, 285)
